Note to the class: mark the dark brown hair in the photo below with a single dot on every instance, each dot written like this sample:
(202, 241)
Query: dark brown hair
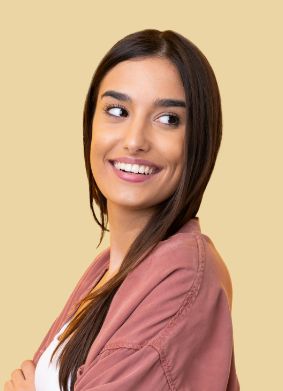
(202, 142)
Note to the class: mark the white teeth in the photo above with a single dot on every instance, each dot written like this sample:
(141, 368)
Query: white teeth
(135, 168)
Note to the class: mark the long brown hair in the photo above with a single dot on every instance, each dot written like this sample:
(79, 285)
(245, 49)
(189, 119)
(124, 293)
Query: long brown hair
(202, 142)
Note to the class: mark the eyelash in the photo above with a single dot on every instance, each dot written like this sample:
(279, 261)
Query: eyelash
(115, 105)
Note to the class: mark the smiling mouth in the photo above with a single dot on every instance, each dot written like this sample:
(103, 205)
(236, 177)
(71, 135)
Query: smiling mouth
(151, 171)
(132, 177)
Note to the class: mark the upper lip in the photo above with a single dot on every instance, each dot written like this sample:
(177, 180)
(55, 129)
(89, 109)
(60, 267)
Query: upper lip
(131, 160)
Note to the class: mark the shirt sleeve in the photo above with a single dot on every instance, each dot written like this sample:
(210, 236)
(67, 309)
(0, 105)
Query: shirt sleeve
(126, 369)
(204, 353)
(180, 335)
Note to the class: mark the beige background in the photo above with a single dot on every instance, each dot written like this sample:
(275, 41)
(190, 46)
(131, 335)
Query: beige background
(49, 50)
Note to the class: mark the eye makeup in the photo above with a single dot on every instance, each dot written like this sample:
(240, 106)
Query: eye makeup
(123, 108)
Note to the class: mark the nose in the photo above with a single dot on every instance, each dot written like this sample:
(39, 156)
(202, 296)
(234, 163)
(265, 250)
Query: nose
(136, 136)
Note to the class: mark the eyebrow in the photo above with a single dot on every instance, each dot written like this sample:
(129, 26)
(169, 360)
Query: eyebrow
(157, 102)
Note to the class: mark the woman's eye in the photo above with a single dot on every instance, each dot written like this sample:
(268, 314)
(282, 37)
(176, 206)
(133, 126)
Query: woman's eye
(173, 119)
(115, 110)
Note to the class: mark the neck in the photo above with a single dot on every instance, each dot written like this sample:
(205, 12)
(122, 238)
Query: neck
(124, 224)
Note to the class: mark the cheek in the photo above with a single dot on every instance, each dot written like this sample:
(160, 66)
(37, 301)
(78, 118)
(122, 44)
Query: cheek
(177, 161)
(175, 154)
(103, 137)
(98, 144)
(95, 157)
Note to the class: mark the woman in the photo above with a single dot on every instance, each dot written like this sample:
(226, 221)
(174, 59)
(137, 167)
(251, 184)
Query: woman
(153, 310)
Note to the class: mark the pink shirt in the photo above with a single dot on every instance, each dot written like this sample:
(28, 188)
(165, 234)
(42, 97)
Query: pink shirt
(169, 325)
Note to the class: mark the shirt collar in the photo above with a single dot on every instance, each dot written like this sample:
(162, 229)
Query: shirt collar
(193, 225)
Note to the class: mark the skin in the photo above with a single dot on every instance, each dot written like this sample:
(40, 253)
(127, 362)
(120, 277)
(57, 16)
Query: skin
(22, 379)
(141, 132)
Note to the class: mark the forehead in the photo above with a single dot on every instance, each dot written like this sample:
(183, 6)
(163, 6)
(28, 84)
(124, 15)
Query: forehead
(145, 78)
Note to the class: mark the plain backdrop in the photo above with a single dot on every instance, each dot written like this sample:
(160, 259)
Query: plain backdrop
(49, 51)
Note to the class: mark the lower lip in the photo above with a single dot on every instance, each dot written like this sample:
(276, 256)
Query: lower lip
(131, 177)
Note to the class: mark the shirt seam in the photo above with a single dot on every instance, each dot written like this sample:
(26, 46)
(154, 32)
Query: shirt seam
(163, 363)
(158, 342)
(189, 299)
(181, 311)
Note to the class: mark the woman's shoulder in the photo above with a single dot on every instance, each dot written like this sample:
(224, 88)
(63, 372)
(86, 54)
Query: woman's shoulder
(218, 267)
(177, 275)
(194, 250)
(178, 252)
(169, 315)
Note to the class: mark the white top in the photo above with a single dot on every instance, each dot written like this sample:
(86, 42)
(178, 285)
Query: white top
(46, 373)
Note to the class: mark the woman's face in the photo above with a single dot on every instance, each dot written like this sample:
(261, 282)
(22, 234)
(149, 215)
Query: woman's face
(129, 125)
